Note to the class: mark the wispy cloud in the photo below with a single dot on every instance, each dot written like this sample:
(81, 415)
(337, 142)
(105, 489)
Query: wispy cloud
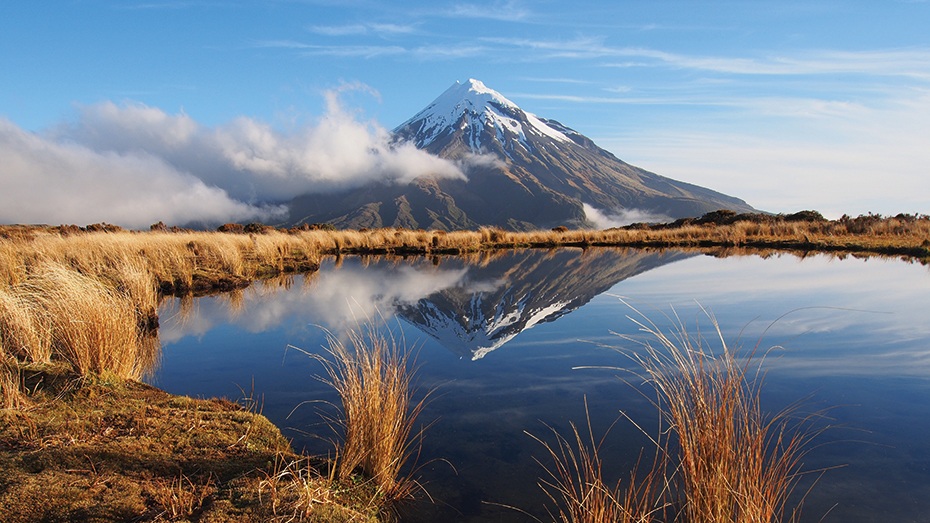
(656, 100)
(511, 11)
(363, 29)
(909, 62)
(283, 44)
(339, 30)
(558, 80)
(433, 52)
(364, 51)
(170, 5)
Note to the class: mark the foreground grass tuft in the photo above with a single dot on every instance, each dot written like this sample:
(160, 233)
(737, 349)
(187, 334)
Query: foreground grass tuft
(373, 376)
(735, 464)
(575, 484)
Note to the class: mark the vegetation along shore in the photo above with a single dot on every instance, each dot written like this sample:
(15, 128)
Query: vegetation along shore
(79, 329)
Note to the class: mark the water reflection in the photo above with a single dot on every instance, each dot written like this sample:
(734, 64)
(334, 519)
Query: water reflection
(857, 340)
(470, 308)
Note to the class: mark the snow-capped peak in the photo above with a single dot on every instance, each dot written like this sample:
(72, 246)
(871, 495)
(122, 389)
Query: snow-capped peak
(473, 107)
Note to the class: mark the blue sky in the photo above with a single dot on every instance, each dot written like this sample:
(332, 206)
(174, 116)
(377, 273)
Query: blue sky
(789, 105)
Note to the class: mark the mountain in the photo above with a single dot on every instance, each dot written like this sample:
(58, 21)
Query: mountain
(524, 172)
(516, 291)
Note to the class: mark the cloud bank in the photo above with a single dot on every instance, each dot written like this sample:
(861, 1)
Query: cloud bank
(622, 217)
(134, 165)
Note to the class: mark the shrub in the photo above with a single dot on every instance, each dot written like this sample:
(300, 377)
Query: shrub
(255, 228)
(231, 227)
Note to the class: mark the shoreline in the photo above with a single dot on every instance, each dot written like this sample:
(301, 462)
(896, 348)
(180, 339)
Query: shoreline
(82, 430)
(108, 449)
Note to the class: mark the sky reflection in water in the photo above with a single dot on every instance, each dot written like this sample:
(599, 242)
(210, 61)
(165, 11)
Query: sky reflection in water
(853, 335)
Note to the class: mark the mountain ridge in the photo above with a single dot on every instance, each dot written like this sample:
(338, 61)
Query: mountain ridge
(523, 172)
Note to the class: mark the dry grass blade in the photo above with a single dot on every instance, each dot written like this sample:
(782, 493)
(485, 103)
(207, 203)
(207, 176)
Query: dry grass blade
(182, 498)
(11, 394)
(21, 335)
(297, 491)
(576, 485)
(735, 463)
(374, 379)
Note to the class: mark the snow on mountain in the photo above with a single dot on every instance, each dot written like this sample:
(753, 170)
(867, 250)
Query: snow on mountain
(474, 108)
(492, 304)
(478, 333)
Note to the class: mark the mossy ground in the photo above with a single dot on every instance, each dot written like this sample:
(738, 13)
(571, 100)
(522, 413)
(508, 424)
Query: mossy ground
(99, 449)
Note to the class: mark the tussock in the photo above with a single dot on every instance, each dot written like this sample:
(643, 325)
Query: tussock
(373, 376)
(576, 486)
(735, 464)
(92, 326)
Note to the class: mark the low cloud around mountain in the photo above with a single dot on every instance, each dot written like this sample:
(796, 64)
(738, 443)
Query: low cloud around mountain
(134, 165)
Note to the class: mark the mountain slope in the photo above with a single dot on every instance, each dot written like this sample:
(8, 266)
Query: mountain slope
(524, 172)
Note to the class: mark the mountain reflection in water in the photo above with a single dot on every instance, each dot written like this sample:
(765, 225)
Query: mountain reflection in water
(851, 335)
(470, 308)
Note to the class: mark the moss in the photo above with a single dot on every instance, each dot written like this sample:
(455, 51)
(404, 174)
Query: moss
(94, 449)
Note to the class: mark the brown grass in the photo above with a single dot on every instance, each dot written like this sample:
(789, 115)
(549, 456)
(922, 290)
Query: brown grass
(181, 498)
(11, 395)
(576, 485)
(306, 489)
(735, 463)
(374, 380)
(58, 313)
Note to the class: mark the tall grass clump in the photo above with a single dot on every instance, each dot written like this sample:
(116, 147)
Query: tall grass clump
(735, 464)
(89, 324)
(21, 333)
(575, 484)
(373, 376)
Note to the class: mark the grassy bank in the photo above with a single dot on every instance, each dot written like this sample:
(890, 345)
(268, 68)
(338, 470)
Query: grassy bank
(106, 449)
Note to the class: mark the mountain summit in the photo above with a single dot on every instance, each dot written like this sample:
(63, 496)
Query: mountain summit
(475, 110)
(523, 172)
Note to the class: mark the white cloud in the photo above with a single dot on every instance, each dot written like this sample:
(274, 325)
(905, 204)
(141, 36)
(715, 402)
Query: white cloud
(362, 29)
(45, 181)
(911, 62)
(134, 165)
(510, 11)
(621, 217)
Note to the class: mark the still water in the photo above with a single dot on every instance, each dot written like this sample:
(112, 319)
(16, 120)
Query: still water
(500, 338)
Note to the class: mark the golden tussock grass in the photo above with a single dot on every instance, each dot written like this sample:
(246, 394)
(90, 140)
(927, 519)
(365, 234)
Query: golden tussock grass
(575, 484)
(81, 320)
(373, 376)
(735, 464)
